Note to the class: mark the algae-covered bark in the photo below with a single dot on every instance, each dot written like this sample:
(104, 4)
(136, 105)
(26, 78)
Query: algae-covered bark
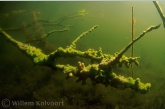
(100, 70)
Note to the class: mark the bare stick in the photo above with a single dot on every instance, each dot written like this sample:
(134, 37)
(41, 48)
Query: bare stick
(160, 11)
(132, 40)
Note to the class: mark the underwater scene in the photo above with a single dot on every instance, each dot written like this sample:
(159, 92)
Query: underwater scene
(82, 55)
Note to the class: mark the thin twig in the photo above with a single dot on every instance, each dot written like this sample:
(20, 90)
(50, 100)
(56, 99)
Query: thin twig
(132, 40)
(46, 35)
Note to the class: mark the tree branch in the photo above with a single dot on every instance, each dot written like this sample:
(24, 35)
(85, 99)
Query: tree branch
(98, 73)
(160, 11)
(46, 35)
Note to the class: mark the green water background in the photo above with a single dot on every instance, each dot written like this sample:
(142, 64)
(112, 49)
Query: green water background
(113, 33)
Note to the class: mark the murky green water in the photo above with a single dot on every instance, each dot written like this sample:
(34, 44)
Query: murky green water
(20, 80)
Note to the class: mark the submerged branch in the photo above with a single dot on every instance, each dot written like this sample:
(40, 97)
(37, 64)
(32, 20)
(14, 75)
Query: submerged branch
(73, 45)
(46, 35)
(112, 62)
(160, 11)
(56, 22)
(98, 73)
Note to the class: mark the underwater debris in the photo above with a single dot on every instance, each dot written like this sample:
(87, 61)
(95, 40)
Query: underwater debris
(100, 72)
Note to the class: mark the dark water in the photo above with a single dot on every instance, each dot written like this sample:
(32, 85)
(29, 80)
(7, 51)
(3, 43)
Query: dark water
(21, 81)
